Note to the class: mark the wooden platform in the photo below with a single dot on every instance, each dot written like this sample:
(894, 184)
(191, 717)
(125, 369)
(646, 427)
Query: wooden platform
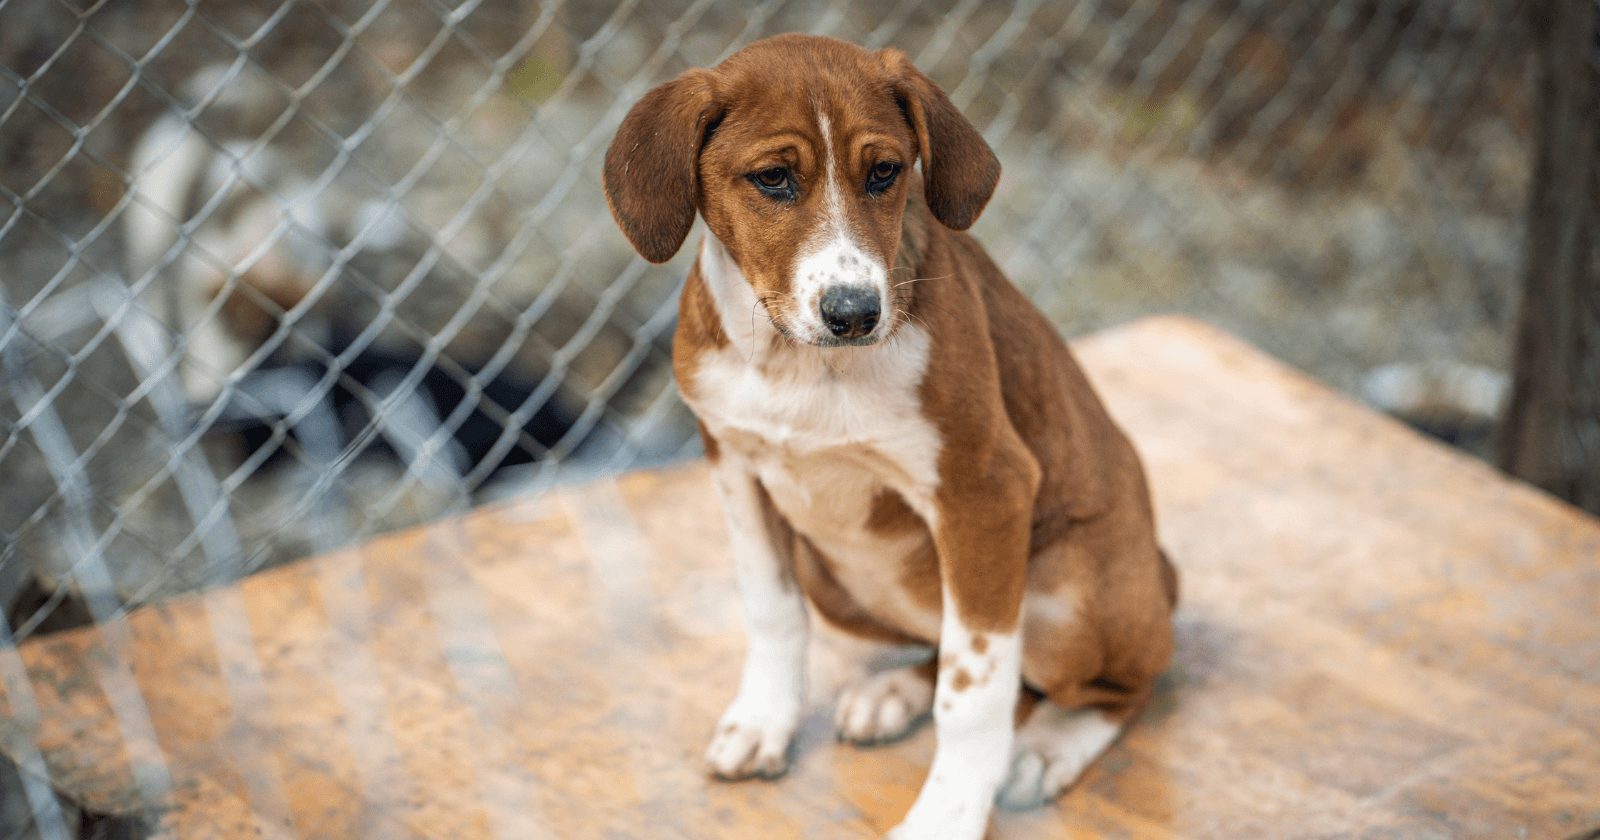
(1378, 636)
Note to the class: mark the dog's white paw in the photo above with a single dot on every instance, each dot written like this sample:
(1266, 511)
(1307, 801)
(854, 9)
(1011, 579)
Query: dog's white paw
(883, 706)
(752, 740)
(1051, 751)
(943, 818)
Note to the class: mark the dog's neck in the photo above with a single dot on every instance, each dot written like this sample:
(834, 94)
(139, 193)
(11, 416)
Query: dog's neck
(744, 320)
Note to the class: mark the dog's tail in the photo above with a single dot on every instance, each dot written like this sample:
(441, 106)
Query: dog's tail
(1169, 579)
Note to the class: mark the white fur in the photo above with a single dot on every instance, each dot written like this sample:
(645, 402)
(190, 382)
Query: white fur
(1051, 608)
(832, 258)
(974, 703)
(753, 736)
(1052, 750)
(165, 164)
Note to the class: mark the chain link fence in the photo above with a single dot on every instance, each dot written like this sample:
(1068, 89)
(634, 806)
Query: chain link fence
(277, 277)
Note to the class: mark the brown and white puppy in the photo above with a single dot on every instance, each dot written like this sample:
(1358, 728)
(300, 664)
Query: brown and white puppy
(897, 434)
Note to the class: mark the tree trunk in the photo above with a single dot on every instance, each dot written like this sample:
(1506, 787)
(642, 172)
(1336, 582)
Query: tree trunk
(1550, 434)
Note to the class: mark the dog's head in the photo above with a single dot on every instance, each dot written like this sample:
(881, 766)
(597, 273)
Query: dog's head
(797, 151)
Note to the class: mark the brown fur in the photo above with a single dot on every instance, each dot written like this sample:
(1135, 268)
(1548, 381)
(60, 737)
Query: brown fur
(1039, 493)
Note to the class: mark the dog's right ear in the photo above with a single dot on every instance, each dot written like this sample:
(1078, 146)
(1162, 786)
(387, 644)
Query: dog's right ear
(652, 165)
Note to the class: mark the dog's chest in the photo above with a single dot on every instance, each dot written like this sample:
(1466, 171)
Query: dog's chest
(848, 421)
(828, 436)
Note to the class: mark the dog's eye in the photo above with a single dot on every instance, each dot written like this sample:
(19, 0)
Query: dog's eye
(881, 177)
(775, 182)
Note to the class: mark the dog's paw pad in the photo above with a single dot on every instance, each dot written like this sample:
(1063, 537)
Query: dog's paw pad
(883, 706)
(747, 748)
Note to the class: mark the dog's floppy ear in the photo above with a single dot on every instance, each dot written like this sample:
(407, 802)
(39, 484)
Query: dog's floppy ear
(959, 170)
(652, 165)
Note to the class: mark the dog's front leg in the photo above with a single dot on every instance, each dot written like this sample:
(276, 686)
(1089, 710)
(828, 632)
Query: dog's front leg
(752, 739)
(981, 533)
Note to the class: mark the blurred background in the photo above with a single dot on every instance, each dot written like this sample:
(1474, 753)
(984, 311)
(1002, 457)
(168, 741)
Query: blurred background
(280, 276)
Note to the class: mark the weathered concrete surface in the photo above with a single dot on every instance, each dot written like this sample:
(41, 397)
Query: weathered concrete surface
(1377, 635)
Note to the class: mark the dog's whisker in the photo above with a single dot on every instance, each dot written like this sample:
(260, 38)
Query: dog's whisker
(913, 317)
(753, 304)
(921, 279)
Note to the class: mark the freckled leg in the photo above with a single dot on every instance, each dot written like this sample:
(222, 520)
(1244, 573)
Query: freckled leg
(974, 713)
(983, 551)
(752, 738)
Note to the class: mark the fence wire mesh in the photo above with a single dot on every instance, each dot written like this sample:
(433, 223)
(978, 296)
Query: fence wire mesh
(278, 277)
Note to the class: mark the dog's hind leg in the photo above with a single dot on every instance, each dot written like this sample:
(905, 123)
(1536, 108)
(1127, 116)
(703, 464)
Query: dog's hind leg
(1091, 682)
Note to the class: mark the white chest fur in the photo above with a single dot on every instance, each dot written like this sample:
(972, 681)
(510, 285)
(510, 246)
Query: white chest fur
(821, 426)
(825, 430)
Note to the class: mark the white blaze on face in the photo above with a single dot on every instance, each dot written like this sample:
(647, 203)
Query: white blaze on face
(832, 257)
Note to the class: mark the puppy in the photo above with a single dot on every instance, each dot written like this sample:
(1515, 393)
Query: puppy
(897, 434)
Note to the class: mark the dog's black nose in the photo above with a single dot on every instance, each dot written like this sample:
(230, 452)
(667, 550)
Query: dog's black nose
(849, 311)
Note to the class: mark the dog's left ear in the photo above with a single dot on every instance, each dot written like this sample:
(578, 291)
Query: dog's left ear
(652, 166)
(959, 170)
